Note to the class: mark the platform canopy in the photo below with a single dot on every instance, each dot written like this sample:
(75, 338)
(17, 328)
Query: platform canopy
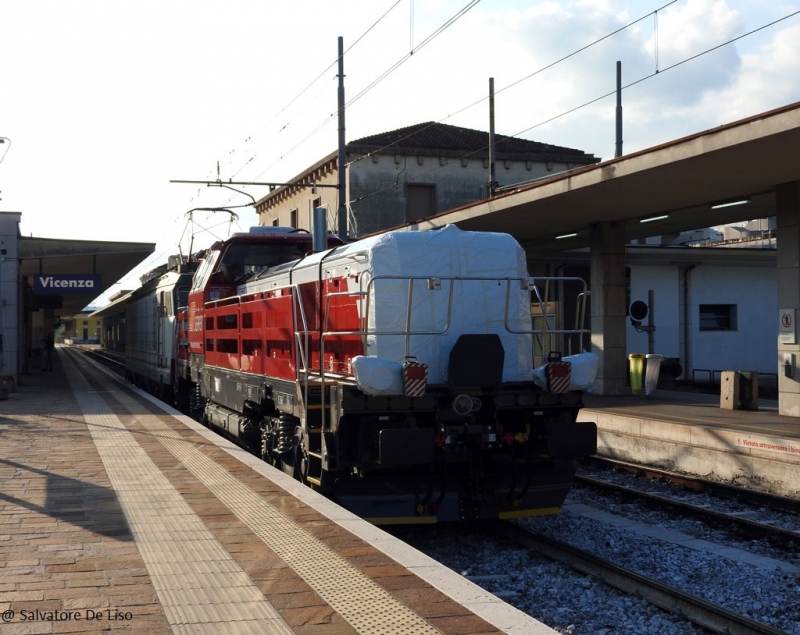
(715, 177)
(94, 266)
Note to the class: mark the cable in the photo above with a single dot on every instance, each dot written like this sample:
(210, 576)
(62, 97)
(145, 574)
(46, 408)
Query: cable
(408, 55)
(308, 87)
(664, 70)
(655, 37)
(312, 100)
(541, 70)
(592, 101)
(580, 50)
(375, 82)
(6, 142)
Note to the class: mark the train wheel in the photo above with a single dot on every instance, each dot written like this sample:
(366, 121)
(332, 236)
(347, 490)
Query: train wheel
(288, 463)
(196, 403)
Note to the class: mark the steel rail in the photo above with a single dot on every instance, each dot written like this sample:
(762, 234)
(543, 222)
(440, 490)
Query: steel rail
(699, 484)
(752, 529)
(112, 362)
(693, 608)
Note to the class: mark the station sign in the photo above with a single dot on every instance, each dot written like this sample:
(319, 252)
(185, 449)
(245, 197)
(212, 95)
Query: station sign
(67, 284)
(787, 326)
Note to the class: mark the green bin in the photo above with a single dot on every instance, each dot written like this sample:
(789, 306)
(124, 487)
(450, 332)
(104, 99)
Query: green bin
(636, 371)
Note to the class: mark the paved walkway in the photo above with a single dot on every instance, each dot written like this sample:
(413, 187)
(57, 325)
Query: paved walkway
(117, 517)
(65, 545)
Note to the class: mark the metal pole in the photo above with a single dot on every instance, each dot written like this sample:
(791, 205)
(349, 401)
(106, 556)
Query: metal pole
(492, 175)
(342, 180)
(618, 152)
(319, 230)
(651, 331)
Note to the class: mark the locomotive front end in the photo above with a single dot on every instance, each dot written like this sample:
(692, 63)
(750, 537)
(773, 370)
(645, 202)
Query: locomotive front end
(400, 374)
(446, 420)
(482, 449)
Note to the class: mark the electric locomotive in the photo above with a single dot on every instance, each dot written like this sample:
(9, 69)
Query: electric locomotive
(150, 317)
(394, 374)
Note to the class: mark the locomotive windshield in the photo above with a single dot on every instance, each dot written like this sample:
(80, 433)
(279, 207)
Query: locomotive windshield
(243, 259)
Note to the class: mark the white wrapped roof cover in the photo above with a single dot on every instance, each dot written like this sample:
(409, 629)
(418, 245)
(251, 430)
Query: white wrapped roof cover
(456, 258)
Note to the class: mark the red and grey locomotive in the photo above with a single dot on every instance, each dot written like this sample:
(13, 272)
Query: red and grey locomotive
(394, 373)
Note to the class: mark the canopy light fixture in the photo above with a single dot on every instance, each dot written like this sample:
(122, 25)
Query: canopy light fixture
(738, 201)
(652, 218)
(566, 236)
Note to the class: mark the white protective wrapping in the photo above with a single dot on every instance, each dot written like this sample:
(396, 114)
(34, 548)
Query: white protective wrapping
(582, 372)
(478, 307)
(377, 376)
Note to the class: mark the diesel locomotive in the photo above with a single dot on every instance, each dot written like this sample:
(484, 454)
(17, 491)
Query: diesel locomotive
(394, 374)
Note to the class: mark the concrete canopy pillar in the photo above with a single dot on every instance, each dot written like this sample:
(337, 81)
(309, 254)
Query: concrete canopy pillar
(787, 203)
(609, 293)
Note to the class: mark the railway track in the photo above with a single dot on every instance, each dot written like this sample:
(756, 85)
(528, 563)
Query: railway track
(733, 523)
(698, 484)
(114, 362)
(693, 608)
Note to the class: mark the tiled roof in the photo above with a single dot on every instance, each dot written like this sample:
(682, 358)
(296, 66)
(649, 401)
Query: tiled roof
(440, 139)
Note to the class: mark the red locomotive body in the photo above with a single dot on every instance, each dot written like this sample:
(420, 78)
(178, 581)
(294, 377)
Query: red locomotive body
(394, 373)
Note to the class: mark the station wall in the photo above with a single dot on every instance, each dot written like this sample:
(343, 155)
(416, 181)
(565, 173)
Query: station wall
(715, 318)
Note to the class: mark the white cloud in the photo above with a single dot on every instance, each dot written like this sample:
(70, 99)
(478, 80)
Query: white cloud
(106, 102)
(765, 81)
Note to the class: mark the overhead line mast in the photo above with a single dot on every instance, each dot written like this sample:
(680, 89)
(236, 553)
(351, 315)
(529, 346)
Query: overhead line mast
(342, 183)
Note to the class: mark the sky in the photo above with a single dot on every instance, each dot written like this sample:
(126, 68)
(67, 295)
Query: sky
(104, 102)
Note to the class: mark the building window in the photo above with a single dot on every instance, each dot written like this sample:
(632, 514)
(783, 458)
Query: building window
(274, 222)
(718, 317)
(293, 218)
(420, 201)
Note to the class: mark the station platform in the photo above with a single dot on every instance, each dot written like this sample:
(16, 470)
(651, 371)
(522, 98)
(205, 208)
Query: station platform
(690, 433)
(119, 515)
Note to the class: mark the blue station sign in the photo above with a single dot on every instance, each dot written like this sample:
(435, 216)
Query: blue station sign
(67, 284)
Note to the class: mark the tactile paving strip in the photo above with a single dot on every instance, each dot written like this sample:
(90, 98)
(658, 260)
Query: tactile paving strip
(365, 605)
(202, 589)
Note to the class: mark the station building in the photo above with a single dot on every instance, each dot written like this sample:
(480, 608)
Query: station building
(404, 175)
(46, 282)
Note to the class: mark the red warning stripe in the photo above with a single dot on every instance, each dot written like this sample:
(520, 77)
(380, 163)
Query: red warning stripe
(558, 376)
(415, 378)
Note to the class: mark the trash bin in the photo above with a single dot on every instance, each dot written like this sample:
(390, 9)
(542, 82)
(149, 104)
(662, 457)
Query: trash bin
(636, 370)
(653, 367)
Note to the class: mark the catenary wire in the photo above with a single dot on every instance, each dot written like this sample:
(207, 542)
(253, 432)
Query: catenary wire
(408, 55)
(300, 94)
(590, 102)
(661, 72)
(308, 87)
(522, 79)
(375, 82)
